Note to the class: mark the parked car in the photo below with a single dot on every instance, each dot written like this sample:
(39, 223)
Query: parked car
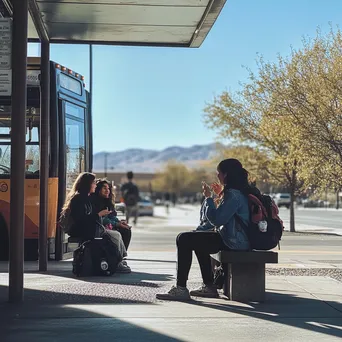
(146, 207)
(282, 200)
(120, 207)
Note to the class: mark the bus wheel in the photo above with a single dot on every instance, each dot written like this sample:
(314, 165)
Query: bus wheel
(4, 240)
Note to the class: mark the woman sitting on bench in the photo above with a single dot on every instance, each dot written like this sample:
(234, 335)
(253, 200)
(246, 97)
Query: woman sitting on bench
(218, 230)
(102, 199)
(86, 223)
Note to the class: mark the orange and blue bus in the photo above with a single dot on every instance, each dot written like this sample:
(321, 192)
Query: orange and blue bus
(70, 152)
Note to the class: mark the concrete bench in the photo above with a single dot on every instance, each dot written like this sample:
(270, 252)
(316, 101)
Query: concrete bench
(245, 273)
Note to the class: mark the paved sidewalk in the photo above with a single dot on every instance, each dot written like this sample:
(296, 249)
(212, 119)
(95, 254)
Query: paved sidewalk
(59, 307)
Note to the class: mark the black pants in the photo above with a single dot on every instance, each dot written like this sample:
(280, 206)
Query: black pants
(126, 235)
(203, 244)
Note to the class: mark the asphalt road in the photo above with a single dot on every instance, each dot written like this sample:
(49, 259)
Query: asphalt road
(300, 249)
(326, 218)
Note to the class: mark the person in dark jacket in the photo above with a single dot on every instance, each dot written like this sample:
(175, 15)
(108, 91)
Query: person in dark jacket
(130, 194)
(78, 204)
(104, 198)
(87, 222)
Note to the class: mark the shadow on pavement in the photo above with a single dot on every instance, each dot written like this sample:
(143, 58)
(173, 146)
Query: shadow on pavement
(323, 317)
(53, 320)
(64, 269)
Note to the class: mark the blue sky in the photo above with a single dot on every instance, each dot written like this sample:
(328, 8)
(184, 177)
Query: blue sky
(154, 97)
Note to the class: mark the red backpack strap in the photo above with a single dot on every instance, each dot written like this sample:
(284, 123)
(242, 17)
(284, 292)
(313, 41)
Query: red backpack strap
(257, 210)
(253, 200)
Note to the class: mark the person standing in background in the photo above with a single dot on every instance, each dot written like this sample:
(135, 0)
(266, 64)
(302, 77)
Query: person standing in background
(167, 198)
(130, 195)
(174, 199)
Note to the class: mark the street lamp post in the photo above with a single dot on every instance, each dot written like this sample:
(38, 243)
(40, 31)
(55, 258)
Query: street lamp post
(105, 163)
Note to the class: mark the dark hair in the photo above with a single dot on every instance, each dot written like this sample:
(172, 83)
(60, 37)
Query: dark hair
(130, 175)
(236, 176)
(82, 185)
(99, 185)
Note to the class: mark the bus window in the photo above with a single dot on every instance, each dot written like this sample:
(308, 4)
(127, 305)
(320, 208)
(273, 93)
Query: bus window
(32, 140)
(75, 148)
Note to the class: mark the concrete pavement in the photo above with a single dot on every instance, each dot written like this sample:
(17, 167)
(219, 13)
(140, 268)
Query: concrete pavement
(304, 296)
(59, 307)
(317, 220)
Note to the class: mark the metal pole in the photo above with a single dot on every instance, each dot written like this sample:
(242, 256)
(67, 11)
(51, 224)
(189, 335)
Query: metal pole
(91, 74)
(90, 111)
(44, 153)
(18, 146)
(105, 164)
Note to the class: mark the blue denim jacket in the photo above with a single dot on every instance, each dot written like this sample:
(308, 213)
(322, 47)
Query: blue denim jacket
(223, 218)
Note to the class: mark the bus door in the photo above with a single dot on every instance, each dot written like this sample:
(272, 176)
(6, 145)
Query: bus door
(73, 157)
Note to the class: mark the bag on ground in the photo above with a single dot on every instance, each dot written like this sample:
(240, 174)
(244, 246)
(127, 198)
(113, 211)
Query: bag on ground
(219, 277)
(98, 257)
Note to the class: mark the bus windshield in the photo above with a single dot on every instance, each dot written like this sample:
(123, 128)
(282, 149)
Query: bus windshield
(32, 140)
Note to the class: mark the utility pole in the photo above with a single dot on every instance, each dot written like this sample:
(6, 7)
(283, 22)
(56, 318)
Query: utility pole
(105, 163)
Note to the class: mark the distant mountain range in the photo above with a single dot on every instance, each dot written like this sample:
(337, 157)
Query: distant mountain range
(141, 160)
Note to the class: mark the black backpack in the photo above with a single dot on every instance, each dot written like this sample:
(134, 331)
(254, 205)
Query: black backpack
(265, 227)
(131, 195)
(98, 257)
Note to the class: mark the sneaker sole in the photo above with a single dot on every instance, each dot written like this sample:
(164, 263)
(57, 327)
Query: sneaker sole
(173, 299)
(123, 271)
(204, 295)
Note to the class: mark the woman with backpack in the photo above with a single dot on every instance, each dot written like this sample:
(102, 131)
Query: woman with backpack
(85, 222)
(219, 229)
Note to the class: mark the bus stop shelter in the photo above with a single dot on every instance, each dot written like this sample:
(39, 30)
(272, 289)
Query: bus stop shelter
(167, 23)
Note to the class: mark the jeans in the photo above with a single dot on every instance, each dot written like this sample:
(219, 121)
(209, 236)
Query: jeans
(130, 210)
(203, 243)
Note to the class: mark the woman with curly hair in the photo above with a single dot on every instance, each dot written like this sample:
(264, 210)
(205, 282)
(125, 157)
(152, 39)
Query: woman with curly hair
(103, 199)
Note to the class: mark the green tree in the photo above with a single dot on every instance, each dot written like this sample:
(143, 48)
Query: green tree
(249, 117)
(175, 177)
(256, 161)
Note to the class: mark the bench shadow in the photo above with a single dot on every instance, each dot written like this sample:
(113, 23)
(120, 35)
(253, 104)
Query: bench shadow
(287, 309)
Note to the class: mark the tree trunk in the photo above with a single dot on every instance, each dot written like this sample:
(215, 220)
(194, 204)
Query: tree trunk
(338, 199)
(292, 213)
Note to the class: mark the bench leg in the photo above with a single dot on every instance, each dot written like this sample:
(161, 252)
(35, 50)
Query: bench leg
(247, 282)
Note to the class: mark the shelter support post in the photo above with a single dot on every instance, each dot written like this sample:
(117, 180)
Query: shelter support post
(44, 154)
(18, 146)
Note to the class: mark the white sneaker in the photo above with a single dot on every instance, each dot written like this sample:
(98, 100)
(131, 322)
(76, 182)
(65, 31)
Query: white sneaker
(205, 291)
(123, 268)
(176, 293)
